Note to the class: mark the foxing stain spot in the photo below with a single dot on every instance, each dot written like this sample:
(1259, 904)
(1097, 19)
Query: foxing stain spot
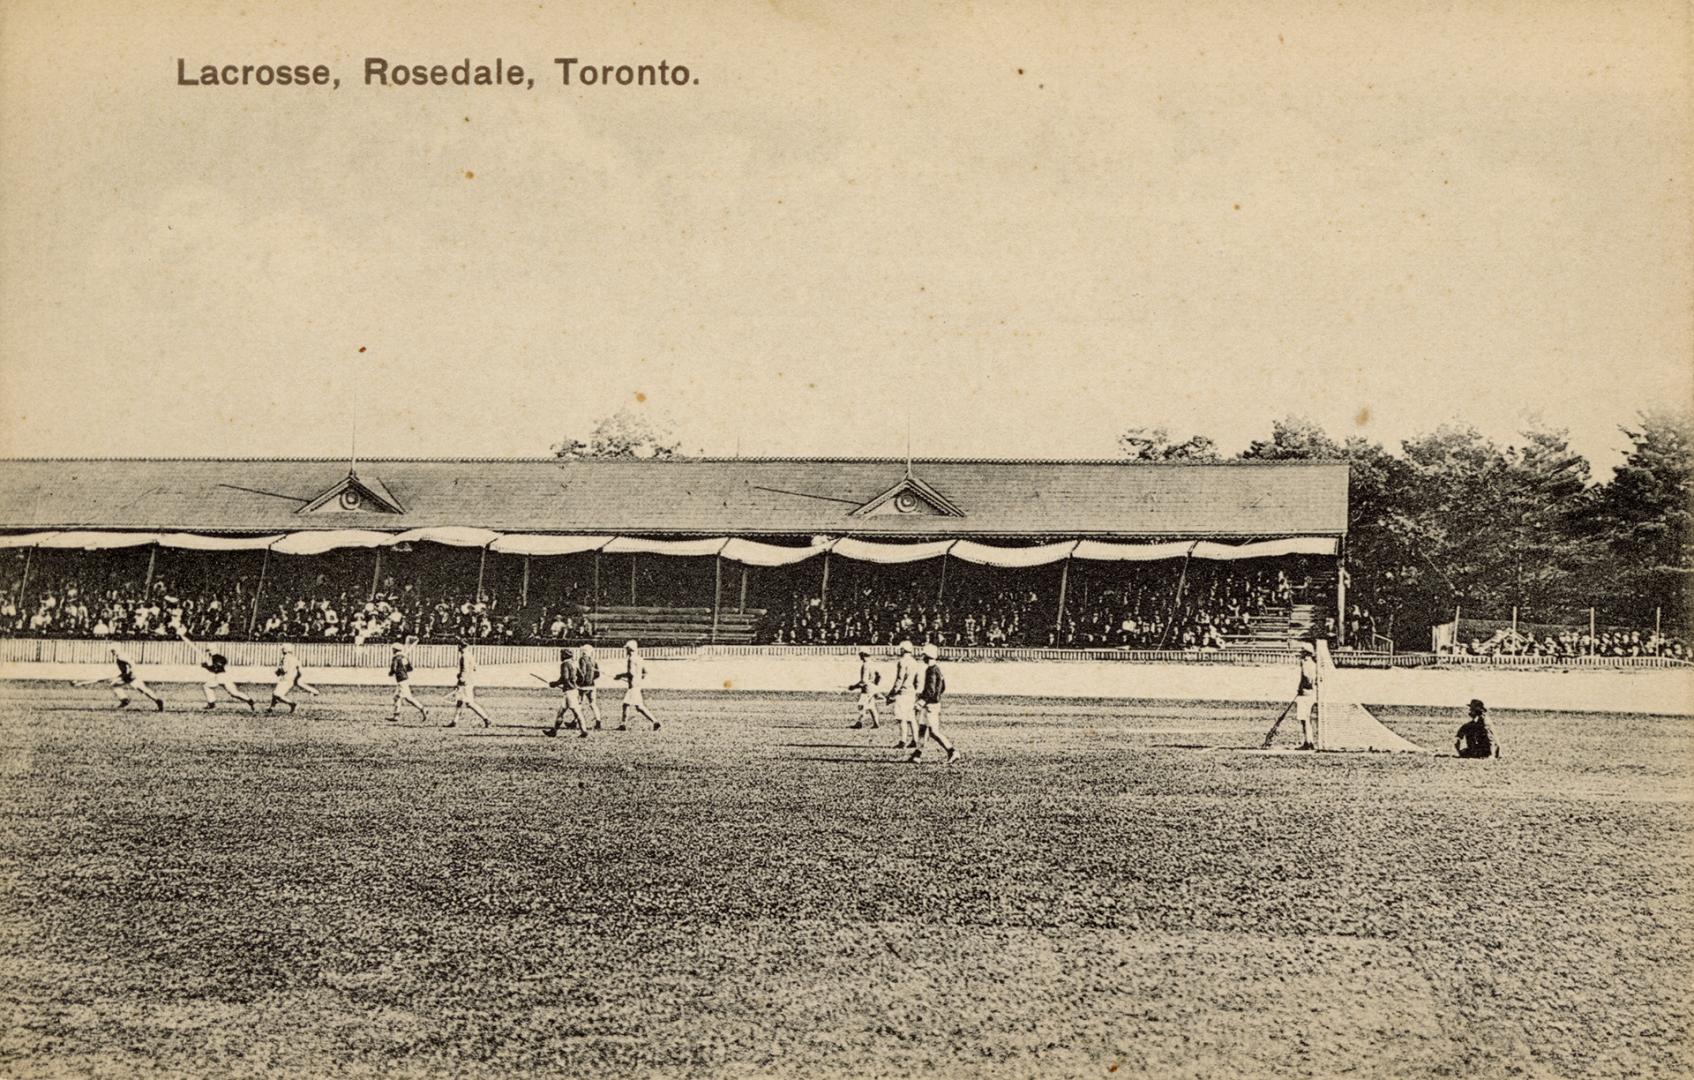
(729, 684)
(469, 175)
(639, 396)
(361, 348)
(1364, 416)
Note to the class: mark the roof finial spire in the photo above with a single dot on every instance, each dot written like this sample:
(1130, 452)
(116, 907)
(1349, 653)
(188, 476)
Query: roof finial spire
(908, 439)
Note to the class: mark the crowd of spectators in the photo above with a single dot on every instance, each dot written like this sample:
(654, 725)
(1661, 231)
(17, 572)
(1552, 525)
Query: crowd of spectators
(1570, 643)
(1157, 608)
(98, 603)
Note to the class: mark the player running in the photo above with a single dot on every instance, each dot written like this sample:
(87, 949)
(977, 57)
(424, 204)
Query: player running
(288, 677)
(464, 692)
(929, 704)
(633, 676)
(400, 670)
(903, 695)
(588, 674)
(868, 677)
(217, 674)
(566, 682)
(128, 680)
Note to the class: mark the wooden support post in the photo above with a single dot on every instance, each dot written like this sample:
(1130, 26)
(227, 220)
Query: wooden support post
(941, 590)
(264, 565)
(481, 569)
(1341, 592)
(1514, 620)
(823, 587)
(376, 574)
(1064, 583)
(717, 594)
(152, 554)
(523, 590)
(1176, 603)
(1658, 613)
(1591, 634)
(23, 583)
(743, 605)
(594, 601)
(632, 581)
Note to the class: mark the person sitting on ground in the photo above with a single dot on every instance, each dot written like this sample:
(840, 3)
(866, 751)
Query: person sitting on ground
(1474, 739)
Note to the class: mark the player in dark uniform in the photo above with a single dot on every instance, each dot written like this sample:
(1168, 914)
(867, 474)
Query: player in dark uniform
(400, 670)
(933, 685)
(567, 683)
(587, 675)
(217, 675)
(128, 680)
(1474, 739)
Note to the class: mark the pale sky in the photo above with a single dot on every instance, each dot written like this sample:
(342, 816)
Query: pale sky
(1380, 215)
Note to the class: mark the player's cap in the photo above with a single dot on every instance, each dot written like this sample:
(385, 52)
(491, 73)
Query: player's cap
(290, 648)
(462, 643)
(931, 651)
(396, 648)
(587, 650)
(1476, 705)
(864, 654)
(630, 646)
(1307, 647)
(905, 646)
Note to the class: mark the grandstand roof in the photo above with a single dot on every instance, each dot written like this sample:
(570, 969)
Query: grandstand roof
(683, 497)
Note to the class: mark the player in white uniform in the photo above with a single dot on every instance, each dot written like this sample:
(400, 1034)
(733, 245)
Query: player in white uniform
(1306, 696)
(464, 692)
(868, 677)
(400, 670)
(128, 680)
(903, 695)
(217, 674)
(633, 676)
(287, 678)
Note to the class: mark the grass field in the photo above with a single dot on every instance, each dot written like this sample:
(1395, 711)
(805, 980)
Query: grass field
(1093, 890)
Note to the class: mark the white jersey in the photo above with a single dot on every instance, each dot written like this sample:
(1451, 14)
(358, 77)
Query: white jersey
(467, 669)
(637, 672)
(904, 676)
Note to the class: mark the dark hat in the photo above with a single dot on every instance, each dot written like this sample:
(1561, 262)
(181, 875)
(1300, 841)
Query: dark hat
(864, 652)
(1477, 705)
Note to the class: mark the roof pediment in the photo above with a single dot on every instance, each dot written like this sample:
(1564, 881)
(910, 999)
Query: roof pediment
(354, 494)
(911, 497)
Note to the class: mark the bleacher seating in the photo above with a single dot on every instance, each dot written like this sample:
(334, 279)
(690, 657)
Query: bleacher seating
(675, 625)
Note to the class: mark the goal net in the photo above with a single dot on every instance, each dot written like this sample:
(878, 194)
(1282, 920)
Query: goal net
(1342, 723)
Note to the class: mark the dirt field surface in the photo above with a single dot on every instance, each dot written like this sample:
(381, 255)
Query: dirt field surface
(1093, 890)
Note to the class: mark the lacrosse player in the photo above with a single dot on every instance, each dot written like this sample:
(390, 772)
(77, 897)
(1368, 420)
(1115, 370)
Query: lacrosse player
(566, 682)
(1306, 694)
(400, 670)
(868, 677)
(128, 680)
(217, 674)
(464, 693)
(929, 706)
(587, 674)
(633, 676)
(287, 678)
(903, 695)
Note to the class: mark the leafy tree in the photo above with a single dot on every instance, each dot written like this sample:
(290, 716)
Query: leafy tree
(624, 434)
(1643, 518)
(1154, 444)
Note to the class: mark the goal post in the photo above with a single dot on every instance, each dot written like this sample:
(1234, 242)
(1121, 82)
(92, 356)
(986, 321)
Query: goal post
(1342, 723)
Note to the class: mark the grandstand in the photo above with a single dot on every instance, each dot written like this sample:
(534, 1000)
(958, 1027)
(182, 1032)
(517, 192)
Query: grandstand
(969, 553)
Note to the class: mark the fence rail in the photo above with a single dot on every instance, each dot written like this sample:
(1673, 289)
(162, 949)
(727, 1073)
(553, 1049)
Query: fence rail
(349, 655)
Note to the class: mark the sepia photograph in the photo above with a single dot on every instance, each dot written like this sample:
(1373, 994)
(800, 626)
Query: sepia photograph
(808, 538)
